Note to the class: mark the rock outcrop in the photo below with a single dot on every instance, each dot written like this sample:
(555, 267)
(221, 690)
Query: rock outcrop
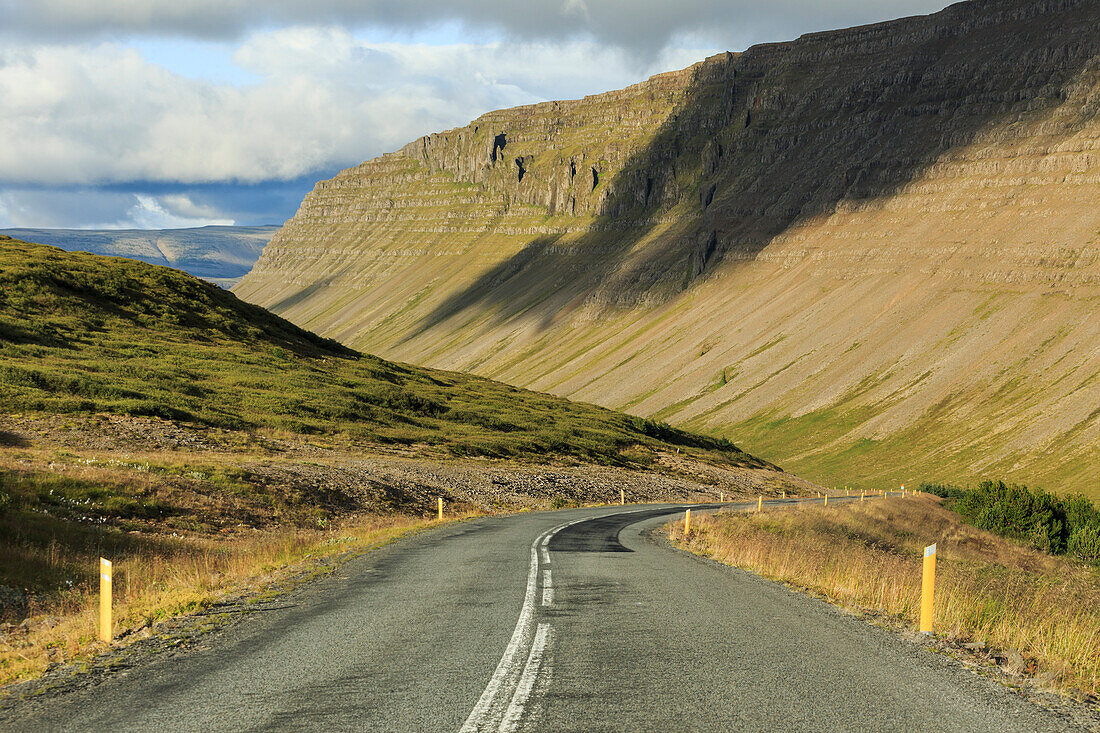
(871, 255)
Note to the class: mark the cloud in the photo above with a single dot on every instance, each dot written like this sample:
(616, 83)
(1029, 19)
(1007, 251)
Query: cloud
(100, 114)
(186, 112)
(646, 26)
(103, 209)
(139, 204)
(171, 212)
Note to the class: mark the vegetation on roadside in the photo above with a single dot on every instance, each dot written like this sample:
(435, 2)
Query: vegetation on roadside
(177, 545)
(81, 333)
(155, 578)
(1060, 525)
(868, 556)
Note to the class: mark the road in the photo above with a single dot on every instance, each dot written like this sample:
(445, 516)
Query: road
(560, 621)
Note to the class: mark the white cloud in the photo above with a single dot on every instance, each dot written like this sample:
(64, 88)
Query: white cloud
(93, 209)
(169, 212)
(94, 114)
(181, 205)
(643, 25)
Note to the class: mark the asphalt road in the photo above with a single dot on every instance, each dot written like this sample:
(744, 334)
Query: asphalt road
(560, 621)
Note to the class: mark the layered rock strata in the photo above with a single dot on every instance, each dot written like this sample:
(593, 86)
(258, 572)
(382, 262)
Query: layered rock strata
(871, 255)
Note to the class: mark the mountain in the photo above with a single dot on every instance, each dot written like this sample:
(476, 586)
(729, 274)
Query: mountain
(871, 255)
(218, 253)
(81, 333)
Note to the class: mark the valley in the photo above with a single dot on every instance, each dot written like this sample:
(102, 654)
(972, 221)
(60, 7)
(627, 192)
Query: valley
(221, 254)
(885, 275)
(760, 394)
(212, 448)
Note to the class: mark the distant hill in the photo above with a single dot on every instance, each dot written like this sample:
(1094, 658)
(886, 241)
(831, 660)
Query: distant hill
(871, 255)
(221, 254)
(81, 333)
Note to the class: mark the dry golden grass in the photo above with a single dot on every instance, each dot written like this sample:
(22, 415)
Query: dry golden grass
(869, 556)
(166, 577)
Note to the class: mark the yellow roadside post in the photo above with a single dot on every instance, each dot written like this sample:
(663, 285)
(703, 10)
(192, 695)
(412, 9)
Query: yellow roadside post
(721, 497)
(622, 496)
(441, 508)
(928, 589)
(105, 600)
(826, 500)
(759, 503)
(687, 522)
(862, 495)
(784, 494)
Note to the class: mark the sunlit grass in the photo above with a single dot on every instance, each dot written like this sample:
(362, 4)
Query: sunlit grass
(869, 556)
(86, 334)
(157, 578)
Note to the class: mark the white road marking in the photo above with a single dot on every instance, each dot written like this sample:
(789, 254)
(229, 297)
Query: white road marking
(547, 589)
(478, 719)
(536, 665)
(522, 663)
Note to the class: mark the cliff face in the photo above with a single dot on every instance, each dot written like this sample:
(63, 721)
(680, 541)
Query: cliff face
(870, 255)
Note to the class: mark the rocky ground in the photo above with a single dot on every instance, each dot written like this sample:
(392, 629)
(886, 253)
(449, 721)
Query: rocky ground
(340, 479)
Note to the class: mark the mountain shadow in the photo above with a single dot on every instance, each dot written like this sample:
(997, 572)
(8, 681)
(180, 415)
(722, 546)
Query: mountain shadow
(781, 134)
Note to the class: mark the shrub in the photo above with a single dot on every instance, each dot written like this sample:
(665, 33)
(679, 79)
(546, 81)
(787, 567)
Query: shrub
(1084, 543)
(1058, 525)
(946, 491)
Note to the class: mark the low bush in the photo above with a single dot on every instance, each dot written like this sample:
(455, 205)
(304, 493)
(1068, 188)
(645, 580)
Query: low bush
(1060, 525)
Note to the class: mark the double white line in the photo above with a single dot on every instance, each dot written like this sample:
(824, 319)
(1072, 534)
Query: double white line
(502, 704)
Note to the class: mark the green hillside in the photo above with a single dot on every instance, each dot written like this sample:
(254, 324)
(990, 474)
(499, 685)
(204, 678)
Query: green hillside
(82, 333)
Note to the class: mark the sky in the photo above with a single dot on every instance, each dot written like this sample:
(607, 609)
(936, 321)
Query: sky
(178, 113)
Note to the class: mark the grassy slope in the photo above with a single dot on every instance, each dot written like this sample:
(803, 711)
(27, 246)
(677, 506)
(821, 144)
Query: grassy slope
(83, 333)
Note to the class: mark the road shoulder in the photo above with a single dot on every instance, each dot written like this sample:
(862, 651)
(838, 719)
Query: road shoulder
(940, 654)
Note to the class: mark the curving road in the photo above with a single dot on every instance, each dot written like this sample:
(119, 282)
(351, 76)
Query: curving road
(560, 621)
